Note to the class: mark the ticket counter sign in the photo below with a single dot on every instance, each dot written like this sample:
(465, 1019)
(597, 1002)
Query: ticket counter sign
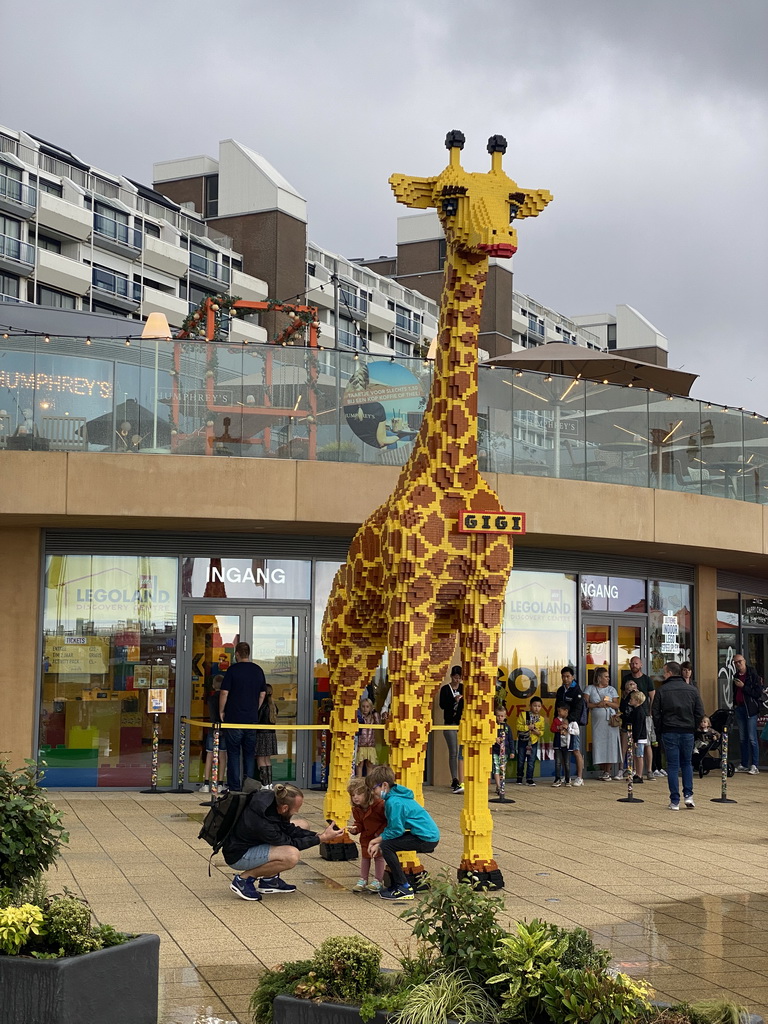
(77, 655)
(491, 522)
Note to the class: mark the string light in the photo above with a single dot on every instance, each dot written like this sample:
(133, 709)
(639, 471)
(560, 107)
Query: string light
(47, 340)
(128, 342)
(87, 341)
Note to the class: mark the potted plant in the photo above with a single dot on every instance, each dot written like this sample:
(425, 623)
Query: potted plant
(339, 451)
(467, 969)
(56, 966)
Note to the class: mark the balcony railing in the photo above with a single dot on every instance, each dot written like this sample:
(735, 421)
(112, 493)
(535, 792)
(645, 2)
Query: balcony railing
(14, 249)
(267, 401)
(117, 231)
(112, 284)
(17, 192)
(359, 303)
(208, 268)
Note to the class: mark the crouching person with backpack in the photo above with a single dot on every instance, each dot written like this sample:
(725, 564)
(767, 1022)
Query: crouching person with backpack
(264, 842)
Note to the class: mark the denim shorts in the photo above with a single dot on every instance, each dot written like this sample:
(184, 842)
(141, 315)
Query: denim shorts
(253, 857)
(575, 743)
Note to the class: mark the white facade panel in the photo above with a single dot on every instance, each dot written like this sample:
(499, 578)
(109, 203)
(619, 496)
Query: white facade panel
(156, 301)
(253, 289)
(62, 273)
(241, 330)
(190, 167)
(63, 217)
(170, 259)
(419, 227)
(249, 184)
(380, 317)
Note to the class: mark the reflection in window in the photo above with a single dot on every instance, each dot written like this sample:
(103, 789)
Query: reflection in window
(109, 635)
(670, 636)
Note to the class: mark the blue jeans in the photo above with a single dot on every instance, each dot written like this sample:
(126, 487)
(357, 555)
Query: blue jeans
(237, 741)
(525, 760)
(748, 745)
(678, 746)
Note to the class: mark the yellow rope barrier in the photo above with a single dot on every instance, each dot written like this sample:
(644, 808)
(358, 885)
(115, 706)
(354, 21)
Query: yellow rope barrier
(200, 724)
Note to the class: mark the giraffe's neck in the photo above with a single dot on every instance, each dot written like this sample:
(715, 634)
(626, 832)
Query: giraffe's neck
(446, 446)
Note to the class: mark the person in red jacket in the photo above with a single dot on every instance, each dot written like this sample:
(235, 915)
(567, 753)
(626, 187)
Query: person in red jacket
(370, 821)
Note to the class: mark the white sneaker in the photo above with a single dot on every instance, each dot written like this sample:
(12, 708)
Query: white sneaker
(205, 788)
(673, 807)
(557, 783)
(577, 782)
(689, 802)
(742, 768)
(754, 770)
(650, 776)
(662, 773)
(657, 774)
(619, 777)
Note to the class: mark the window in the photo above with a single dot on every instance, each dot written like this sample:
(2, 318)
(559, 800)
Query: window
(51, 244)
(402, 348)
(442, 253)
(350, 334)
(9, 287)
(151, 229)
(59, 300)
(212, 195)
(407, 320)
(51, 187)
(9, 227)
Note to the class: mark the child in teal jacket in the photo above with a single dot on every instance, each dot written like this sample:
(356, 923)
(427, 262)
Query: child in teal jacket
(409, 827)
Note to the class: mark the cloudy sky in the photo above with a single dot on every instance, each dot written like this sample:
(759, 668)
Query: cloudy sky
(645, 118)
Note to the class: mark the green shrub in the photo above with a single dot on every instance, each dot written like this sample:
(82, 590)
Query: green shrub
(587, 997)
(347, 966)
(109, 936)
(17, 924)
(525, 957)
(460, 923)
(580, 952)
(68, 924)
(31, 829)
(280, 981)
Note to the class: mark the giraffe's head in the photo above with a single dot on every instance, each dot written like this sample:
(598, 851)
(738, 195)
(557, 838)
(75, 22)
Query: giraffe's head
(477, 211)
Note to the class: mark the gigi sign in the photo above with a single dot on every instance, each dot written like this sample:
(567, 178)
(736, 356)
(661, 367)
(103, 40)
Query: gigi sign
(491, 522)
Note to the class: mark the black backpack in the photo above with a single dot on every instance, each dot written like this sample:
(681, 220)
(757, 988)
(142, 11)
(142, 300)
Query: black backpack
(221, 820)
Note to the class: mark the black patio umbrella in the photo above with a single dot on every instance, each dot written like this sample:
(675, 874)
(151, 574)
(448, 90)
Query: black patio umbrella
(128, 427)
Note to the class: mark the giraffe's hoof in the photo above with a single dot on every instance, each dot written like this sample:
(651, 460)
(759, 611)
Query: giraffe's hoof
(489, 880)
(339, 851)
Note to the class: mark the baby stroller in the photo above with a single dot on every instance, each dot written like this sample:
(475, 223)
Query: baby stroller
(707, 753)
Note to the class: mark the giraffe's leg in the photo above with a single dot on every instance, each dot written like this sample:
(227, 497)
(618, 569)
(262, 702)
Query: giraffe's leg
(413, 678)
(479, 640)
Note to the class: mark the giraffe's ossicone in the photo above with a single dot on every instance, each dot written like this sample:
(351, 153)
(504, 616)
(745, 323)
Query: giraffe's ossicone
(412, 584)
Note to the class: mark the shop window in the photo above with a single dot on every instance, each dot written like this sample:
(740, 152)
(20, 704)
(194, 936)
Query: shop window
(754, 610)
(670, 636)
(278, 579)
(612, 594)
(109, 637)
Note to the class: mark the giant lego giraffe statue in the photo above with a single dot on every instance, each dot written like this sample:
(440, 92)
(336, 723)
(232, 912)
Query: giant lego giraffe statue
(411, 582)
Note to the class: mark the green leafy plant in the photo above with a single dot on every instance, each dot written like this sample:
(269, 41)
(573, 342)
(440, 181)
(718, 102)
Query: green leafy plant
(347, 966)
(280, 981)
(31, 828)
(589, 997)
(713, 1011)
(525, 957)
(580, 952)
(109, 936)
(447, 995)
(68, 925)
(460, 923)
(17, 924)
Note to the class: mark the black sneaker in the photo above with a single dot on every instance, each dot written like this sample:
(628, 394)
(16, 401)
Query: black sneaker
(401, 892)
(275, 884)
(245, 888)
(637, 779)
(530, 782)
(519, 782)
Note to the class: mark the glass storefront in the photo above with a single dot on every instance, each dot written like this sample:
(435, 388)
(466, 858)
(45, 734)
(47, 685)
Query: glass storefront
(742, 627)
(109, 636)
(110, 632)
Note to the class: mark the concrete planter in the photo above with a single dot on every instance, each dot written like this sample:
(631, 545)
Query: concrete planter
(288, 1010)
(118, 985)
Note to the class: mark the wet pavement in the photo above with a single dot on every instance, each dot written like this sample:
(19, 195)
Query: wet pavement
(680, 898)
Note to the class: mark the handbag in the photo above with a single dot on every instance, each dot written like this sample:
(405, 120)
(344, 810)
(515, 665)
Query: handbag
(615, 720)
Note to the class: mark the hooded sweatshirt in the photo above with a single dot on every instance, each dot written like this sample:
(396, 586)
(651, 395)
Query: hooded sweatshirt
(405, 815)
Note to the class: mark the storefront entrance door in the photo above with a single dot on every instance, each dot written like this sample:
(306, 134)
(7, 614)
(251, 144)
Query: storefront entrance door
(756, 653)
(278, 639)
(609, 642)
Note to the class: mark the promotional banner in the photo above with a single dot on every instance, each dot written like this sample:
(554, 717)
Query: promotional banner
(383, 404)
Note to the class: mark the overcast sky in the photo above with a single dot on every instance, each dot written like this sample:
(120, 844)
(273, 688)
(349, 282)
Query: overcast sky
(645, 118)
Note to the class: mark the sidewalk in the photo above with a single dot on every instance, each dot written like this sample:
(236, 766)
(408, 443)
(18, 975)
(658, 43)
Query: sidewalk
(679, 898)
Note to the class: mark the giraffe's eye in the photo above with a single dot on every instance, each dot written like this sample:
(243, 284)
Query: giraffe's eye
(513, 211)
(450, 207)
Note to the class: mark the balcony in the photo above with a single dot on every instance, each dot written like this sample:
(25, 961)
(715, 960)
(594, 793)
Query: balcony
(116, 237)
(117, 291)
(63, 219)
(355, 306)
(157, 301)
(252, 289)
(16, 256)
(165, 257)
(206, 272)
(16, 198)
(62, 273)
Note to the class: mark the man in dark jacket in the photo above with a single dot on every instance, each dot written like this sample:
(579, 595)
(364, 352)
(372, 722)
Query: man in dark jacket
(747, 694)
(571, 696)
(452, 706)
(677, 711)
(265, 842)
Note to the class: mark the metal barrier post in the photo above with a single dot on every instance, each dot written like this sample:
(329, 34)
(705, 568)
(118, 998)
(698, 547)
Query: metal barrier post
(629, 768)
(723, 798)
(501, 798)
(214, 770)
(155, 755)
(182, 758)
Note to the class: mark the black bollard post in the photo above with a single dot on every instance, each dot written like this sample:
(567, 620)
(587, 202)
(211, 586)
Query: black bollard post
(629, 768)
(723, 798)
